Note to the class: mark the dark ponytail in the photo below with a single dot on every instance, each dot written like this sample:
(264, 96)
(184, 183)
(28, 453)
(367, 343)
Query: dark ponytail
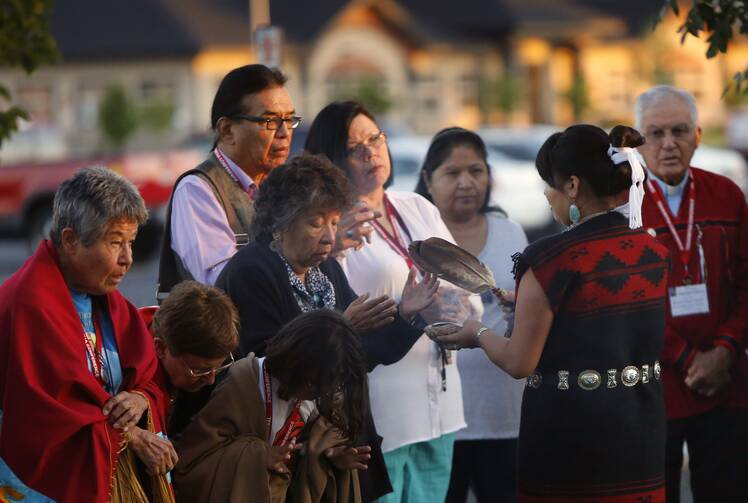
(582, 151)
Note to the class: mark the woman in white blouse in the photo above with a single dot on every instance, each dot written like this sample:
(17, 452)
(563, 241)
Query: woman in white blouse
(416, 402)
(456, 176)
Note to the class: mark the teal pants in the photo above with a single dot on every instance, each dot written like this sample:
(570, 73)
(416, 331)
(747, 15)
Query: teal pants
(420, 472)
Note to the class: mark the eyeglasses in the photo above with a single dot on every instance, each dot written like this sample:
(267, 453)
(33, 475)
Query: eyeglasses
(679, 132)
(272, 123)
(214, 371)
(359, 150)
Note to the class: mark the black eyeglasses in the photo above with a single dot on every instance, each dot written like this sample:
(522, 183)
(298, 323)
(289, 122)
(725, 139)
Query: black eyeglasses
(272, 123)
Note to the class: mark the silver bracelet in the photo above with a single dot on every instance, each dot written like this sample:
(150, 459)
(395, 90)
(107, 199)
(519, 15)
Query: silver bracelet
(480, 332)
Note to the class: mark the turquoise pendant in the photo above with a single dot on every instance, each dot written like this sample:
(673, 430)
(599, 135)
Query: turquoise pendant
(574, 214)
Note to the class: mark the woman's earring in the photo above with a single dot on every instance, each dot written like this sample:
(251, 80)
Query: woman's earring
(574, 214)
(275, 242)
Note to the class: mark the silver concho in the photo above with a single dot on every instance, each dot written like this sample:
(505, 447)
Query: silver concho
(645, 374)
(563, 379)
(657, 370)
(612, 383)
(630, 375)
(589, 380)
(533, 380)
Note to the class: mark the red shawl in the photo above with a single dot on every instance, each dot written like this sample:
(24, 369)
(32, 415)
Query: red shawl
(54, 435)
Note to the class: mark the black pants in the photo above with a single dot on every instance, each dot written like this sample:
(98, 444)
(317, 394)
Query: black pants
(488, 466)
(717, 456)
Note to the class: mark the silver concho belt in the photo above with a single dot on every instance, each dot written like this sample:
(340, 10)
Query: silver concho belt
(589, 380)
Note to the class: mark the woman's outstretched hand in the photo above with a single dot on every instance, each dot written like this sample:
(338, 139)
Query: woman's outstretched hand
(465, 337)
(417, 296)
(365, 314)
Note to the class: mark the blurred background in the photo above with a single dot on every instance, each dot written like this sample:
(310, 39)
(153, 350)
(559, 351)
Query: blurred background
(134, 81)
(132, 85)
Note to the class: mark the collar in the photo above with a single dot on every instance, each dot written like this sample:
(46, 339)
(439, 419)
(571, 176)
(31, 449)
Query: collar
(245, 181)
(671, 190)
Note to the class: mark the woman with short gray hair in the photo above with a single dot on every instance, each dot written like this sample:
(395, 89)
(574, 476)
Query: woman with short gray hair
(89, 201)
(76, 360)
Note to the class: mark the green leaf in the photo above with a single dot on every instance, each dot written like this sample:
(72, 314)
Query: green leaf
(25, 42)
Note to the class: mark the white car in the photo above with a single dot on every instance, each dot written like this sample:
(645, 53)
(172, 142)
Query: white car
(517, 188)
(723, 161)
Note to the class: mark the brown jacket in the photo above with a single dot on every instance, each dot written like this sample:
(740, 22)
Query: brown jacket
(223, 452)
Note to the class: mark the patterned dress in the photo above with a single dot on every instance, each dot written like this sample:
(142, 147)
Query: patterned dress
(593, 418)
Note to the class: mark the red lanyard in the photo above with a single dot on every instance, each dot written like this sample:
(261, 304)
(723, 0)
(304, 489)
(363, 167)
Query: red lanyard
(95, 351)
(284, 434)
(251, 190)
(684, 249)
(394, 240)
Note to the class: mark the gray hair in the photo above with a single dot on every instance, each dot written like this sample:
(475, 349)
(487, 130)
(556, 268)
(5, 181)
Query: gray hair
(660, 93)
(305, 182)
(91, 199)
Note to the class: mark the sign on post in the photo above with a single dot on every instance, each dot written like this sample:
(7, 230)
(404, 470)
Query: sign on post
(269, 46)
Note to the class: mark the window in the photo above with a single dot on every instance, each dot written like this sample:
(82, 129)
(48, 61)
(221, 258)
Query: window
(36, 99)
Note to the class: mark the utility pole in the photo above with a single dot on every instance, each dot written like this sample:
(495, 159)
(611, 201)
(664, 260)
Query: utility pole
(267, 40)
(259, 15)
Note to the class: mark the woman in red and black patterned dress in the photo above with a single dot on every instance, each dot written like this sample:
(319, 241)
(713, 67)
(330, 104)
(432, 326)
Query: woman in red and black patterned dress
(589, 328)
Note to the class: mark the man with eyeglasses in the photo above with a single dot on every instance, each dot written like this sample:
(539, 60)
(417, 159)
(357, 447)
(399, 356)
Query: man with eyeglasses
(702, 218)
(211, 210)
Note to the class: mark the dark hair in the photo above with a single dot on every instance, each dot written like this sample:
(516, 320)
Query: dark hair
(199, 320)
(328, 133)
(321, 349)
(303, 183)
(238, 83)
(582, 151)
(441, 147)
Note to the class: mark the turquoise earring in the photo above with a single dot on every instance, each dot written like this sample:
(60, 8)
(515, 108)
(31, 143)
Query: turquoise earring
(574, 214)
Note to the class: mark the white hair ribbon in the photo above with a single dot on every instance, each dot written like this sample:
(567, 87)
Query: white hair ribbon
(636, 192)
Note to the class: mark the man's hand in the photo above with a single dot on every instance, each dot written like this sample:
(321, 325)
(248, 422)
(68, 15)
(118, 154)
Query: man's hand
(367, 314)
(156, 453)
(278, 455)
(352, 229)
(710, 371)
(125, 409)
(349, 458)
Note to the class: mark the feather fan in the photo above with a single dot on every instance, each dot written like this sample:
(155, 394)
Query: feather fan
(453, 264)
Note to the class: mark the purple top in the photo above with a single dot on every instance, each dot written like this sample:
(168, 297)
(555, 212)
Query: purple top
(200, 232)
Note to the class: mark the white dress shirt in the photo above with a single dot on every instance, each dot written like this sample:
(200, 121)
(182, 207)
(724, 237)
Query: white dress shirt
(407, 400)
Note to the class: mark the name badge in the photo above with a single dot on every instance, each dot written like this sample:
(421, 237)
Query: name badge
(689, 299)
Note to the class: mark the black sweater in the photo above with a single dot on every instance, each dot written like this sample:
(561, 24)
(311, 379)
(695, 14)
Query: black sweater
(257, 281)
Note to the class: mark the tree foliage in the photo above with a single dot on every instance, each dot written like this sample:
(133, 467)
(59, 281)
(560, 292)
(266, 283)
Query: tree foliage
(26, 43)
(720, 21)
(118, 117)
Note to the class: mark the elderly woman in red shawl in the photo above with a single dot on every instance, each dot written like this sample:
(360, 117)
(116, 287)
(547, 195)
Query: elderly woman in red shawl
(76, 360)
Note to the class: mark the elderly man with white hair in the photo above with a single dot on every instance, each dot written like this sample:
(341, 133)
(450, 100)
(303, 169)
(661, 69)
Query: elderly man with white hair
(703, 219)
